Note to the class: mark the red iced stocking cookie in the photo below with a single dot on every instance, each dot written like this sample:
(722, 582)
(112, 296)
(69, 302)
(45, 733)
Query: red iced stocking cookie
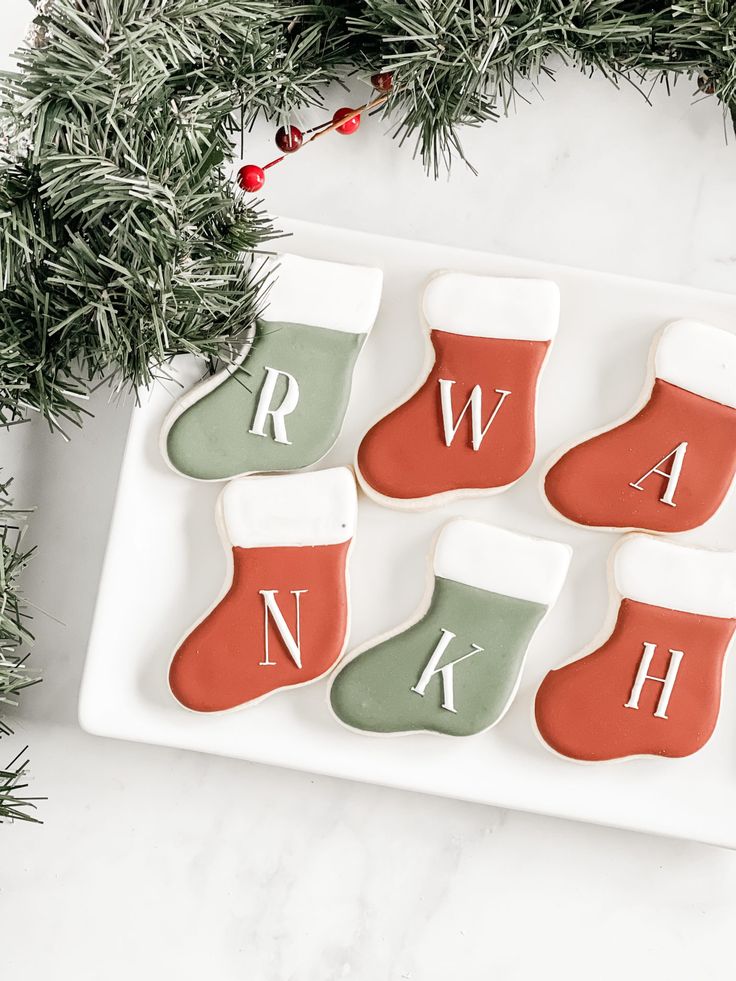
(653, 687)
(469, 428)
(669, 466)
(283, 619)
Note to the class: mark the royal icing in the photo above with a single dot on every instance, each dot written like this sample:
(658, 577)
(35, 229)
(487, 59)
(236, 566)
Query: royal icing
(283, 619)
(455, 668)
(699, 358)
(653, 687)
(282, 405)
(492, 306)
(669, 467)
(470, 425)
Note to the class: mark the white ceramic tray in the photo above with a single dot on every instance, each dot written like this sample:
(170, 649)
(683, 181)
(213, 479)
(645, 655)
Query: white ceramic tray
(165, 563)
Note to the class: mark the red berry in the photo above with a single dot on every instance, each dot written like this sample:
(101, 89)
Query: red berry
(383, 81)
(289, 140)
(251, 178)
(351, 125)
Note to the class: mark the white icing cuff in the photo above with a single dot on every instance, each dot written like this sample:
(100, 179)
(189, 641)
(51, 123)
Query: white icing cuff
(676, 577)
(492, 306)
(324, 294)
(317, 508)
(699, 358)
(487, 557)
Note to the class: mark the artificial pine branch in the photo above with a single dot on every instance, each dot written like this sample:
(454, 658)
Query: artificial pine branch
(14, 633)
(15, 804)
(461, 62)
(14, 639)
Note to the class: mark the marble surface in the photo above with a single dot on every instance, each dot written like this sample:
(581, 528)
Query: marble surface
(157, 863)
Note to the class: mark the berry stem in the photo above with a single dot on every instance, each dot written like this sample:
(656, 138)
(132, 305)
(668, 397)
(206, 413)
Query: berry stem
(332, 125)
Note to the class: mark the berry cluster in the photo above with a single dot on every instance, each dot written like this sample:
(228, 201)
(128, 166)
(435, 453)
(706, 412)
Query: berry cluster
(289, 139)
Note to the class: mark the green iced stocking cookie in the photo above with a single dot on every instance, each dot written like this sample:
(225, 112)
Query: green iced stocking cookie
(283, 406)
(456, 669)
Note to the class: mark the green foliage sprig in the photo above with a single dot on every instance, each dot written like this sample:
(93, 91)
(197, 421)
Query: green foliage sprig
(15, 804)
(15, 635)
(14, 640)
(462, 62)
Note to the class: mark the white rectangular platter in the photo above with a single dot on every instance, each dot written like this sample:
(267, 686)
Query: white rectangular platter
(165, 564)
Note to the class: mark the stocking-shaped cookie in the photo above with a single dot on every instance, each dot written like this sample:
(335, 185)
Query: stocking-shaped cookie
(653, 687)
(282, 405)
(669, 466)
(456, 667)
(469, 427)
(283, 618)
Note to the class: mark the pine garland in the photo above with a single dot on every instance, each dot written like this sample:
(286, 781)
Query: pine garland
(461, 62)
(14, 639)
(121, 236)
(15, 804)
(14, 632)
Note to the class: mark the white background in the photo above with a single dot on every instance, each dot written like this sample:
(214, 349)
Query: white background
(156, 863)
